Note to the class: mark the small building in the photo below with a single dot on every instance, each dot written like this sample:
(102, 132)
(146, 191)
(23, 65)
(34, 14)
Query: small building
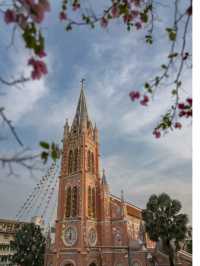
(8, 229)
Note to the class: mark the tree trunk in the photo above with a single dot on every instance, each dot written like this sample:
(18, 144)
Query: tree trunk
(170, 254)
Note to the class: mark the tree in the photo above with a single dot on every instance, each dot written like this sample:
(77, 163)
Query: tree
(165, 223)
(25, 18)
(29, 246)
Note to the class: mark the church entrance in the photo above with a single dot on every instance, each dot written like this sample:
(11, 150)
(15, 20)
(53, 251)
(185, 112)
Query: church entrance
(93, 264)
(69, 264)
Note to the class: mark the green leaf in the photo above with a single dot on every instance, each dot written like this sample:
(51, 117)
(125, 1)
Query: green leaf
(164, 66)
(44, 156)
(54, 155)
(44, 145)
(174, 92)
(144, 17)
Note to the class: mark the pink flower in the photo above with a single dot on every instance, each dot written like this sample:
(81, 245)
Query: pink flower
(145, 100)
(104, 22)
(22, 21)
(45, 4)
(127, 18)
(156, 133)
(134, 95)
(181, 106)
(189, 100)
(182, 113)
(9, 16)
(134, 13)
(188, 113)
(178, 125)
(138, 25)
(63, 15)
(41, 54)
(38, 13)
(114, 11)
(76, 6)
(39, 68)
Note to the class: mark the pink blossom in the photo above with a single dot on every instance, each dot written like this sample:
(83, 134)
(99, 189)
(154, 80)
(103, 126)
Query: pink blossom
(63, 15)
(22, 21)
(45, 4)
(145, 100)
(182, 113)
(114, 11)
(39, 68)
(38, 12)
(156, 133)
(138, 25)
(189, 100)
(178, 125)
(181, 106)
(41, 54)
(135, 13)
(104, 22)
(9, 16)
(134, 95)
(76, 6)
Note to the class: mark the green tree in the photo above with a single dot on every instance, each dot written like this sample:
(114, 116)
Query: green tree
(29, 245)
(164, 222)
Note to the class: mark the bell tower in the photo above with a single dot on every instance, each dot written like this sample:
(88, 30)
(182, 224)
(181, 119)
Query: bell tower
(79, 189)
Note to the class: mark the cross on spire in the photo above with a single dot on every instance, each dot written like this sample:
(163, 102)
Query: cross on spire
(82, 83)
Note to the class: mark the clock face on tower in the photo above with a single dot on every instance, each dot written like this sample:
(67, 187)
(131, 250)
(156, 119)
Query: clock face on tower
(92, 237)
(70, 236)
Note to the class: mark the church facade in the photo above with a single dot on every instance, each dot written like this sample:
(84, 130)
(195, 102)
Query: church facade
(93, 227)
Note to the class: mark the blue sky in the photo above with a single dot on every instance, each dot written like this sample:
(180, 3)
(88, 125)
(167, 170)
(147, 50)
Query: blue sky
(113, 62)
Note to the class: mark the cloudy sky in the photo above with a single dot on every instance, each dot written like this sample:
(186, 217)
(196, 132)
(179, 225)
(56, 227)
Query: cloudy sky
(113, 62)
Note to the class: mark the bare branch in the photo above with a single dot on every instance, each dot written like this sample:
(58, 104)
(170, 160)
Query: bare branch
(14, 81)
(11, 127)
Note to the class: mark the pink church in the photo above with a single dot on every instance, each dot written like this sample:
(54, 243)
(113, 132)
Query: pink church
(93, 227)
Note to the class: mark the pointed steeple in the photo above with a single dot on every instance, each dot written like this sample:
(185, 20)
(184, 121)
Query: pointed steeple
(81, 118)
(104, 181)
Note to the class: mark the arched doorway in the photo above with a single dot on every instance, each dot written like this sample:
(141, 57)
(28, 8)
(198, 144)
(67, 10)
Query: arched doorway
(69, 264)
(93, 264)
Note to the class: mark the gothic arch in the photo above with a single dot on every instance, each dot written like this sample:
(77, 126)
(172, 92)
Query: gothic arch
(93, 202)
(89, 161)
(70, 162)
(92, 163)
(89, 201)
(74, 201)
(76, 154)
(68, 202)
(135, 263)
(68, 263)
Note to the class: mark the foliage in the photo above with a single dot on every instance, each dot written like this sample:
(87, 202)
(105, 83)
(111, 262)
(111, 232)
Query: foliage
(29, 246)
(163, 221)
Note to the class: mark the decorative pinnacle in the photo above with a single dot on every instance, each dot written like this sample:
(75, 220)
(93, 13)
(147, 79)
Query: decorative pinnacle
(122, 195)
(82, 83)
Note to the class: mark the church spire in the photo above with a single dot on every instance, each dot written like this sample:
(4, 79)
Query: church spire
(81, 118)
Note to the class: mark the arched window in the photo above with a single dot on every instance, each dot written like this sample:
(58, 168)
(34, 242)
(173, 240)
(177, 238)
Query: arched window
(135, 263)
(89, 201)
(93, 202)
(74, 201)
(68, 203)
(76, 160)
(70, 162)
(92, 162)
(89, 161)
